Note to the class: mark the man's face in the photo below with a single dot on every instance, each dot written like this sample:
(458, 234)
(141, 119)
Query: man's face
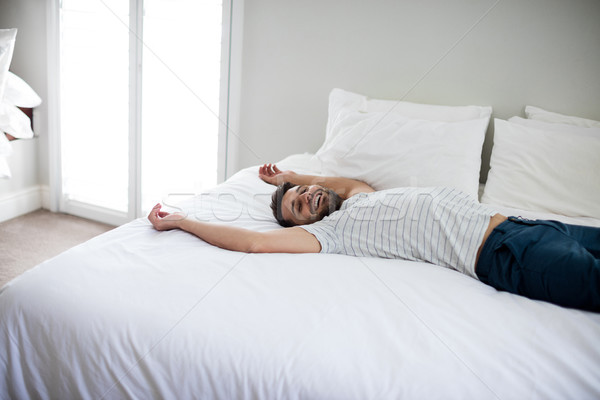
(307, 204)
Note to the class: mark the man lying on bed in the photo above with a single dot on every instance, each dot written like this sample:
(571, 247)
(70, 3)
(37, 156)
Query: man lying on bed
(544, 260)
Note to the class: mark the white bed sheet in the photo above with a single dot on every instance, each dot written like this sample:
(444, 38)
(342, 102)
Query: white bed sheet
(136, 313)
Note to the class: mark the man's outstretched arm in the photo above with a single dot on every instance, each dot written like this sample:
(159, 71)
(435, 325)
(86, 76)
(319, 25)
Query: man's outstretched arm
(344, 187)
(285, 240)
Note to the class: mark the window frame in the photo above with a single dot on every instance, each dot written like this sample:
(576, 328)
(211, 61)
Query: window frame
(230, 86)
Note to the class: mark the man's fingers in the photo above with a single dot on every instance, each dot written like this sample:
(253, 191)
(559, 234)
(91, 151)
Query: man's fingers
(273, 169)
(268, 170)
(264, 170)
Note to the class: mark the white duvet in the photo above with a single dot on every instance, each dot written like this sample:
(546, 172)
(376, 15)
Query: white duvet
(136, 313)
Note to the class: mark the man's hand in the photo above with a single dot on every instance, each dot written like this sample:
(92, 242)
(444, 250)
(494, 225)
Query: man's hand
(344, 187)
(164, 221)
(273, 175)
(227, 236)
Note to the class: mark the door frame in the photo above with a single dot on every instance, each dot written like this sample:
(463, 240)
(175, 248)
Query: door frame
(229, 94)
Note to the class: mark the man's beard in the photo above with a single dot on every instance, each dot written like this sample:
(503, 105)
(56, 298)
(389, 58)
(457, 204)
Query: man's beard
(335, 202)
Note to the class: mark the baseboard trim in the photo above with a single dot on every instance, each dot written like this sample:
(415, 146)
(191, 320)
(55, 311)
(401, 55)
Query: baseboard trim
(21, 202)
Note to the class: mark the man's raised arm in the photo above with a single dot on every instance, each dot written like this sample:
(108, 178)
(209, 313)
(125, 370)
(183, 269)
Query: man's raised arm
(285, 240)
(344, 187)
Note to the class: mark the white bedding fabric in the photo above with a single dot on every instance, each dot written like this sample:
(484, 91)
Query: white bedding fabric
(136, 313)
(545, 169)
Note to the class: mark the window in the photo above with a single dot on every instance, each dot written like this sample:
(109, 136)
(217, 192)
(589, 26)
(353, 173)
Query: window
(139, 95)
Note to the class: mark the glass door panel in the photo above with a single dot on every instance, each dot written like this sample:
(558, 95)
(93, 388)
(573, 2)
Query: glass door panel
(104, 137)
(180, 100)
(94, 102)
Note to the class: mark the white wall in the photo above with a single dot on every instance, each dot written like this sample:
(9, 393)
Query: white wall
(28, 163)
(539, 52)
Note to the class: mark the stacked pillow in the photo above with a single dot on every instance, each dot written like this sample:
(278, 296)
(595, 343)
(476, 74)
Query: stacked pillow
(17, 93)
(538, 114)
(14, 93)
(7, 45)
(548, 162)
(388, 143)
(7, 42)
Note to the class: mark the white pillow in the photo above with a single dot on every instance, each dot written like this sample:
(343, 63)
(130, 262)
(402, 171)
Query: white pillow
(18, 93)
(7, 44)
(544, 170)
(556, 127)
(5, 147)
(387, 150)
(14, 121)
(342, 102)
(539, 114)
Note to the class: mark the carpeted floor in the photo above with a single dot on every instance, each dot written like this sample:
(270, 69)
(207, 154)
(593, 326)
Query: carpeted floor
(30, 239)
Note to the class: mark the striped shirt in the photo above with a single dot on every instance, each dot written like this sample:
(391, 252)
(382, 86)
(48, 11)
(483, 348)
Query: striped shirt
(438, 225)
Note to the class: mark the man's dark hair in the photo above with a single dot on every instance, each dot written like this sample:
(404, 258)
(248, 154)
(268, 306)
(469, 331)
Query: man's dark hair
(276, 200)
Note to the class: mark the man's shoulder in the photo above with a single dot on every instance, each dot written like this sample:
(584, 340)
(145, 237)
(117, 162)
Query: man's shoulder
(373, 196)
(389, 196)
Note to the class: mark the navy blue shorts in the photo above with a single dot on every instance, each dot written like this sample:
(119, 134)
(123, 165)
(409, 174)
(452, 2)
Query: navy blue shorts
(544, 260)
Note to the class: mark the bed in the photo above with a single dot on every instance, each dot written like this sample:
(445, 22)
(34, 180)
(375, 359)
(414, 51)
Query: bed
(137, 313)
